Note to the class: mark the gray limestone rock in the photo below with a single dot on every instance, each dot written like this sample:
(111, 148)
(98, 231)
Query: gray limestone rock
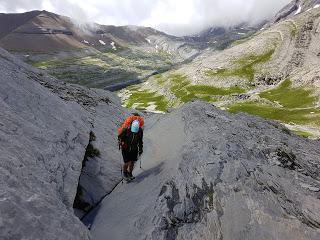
(229, 177)
(46, 130)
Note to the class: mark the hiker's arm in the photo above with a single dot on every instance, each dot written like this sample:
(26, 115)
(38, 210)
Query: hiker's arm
(121, 138)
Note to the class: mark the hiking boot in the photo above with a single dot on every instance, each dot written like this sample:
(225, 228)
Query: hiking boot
(131, 176)
(126, 175)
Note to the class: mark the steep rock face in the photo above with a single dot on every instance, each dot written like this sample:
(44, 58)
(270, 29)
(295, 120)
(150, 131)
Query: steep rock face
(42, 142)
(208, 174)
(102, 171)
(295, 7)
(45, 131)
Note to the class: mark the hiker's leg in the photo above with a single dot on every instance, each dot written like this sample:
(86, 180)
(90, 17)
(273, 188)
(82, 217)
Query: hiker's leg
(131, 166)
(126, 164)
(126, 167)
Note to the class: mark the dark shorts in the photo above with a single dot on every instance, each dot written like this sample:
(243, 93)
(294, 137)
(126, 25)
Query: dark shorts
(129, 156)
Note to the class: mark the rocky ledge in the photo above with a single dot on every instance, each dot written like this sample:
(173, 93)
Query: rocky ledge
(208, 174)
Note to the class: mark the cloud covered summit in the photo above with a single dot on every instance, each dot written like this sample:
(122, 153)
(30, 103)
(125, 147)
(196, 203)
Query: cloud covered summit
(177, 17)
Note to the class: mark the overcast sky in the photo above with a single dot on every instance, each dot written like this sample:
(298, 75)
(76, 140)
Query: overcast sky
(177, 17)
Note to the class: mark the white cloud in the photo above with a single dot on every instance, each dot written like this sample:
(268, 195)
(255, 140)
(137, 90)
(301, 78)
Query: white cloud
(177, 17)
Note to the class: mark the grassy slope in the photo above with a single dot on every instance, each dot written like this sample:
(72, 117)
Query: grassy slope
(143, 100)
(290, 97)
(178, 86)
(245, 67)
(286, 103)
(184, 91)
(298, 105)
(105, 68)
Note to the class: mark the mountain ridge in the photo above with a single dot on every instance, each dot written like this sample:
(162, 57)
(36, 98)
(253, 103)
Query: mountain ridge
(253, 75)
(111, 55)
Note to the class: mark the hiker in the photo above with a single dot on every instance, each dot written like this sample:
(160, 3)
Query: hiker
(131, 144)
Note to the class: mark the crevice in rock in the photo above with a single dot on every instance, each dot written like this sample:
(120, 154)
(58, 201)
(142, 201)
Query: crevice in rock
(287, 159)
(185, 210)
(81, 205)
(86, 218)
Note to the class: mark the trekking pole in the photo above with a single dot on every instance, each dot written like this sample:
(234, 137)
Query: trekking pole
(121, 165)
(121, 171)
(140, 163)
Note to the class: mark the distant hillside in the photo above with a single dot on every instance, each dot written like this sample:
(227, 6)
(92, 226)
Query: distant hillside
(221, 37)
(274, 74)
(91, 54)
(42, 31)
(104, 56)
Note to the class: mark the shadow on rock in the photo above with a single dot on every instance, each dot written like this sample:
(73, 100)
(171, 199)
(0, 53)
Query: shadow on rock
(146, 173)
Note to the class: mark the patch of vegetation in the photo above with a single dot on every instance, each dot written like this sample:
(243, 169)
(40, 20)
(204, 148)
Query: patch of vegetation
(160, 79)
(245, 66)
(106, 67)
(119, 48)
(209, 90)
(92, 61)
(181, 87)
(88, 78)
(290, 97)
(296, 116)
(292, 28)
(48, 64)
(91, 151)
(303, 133)
(178, 86)
(143, 99)
(298, 105)
(245, 38)
(240, 41)
(78, 76)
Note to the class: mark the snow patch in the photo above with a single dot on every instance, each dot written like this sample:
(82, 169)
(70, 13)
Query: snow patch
(261, 29)
(102, 42)
(299, 10)
(148, 40)
(85, 41)
(316, 6)
(113, 46)
(241, 33)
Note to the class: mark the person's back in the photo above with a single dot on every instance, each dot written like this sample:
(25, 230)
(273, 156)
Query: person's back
(131, 143)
